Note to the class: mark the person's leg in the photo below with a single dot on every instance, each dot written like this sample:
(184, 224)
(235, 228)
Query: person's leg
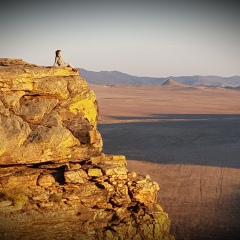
(67, 65)
(70, 65)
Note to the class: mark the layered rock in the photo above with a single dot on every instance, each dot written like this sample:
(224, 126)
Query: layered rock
(55, 181)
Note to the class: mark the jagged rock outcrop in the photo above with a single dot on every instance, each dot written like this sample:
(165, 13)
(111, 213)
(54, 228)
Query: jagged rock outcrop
(55, 181)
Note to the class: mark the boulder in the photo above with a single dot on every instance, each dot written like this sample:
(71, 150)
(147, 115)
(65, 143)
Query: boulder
(47, 114)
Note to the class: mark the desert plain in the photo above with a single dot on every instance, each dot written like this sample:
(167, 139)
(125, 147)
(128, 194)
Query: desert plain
(188, 140)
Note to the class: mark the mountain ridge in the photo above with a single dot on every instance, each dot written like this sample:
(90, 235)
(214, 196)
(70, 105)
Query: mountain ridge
(119, 78)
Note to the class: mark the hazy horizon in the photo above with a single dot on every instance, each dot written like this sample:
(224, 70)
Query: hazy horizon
(144, 38)
(194, 75)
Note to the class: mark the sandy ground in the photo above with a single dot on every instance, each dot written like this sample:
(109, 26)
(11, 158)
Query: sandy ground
(188, 140)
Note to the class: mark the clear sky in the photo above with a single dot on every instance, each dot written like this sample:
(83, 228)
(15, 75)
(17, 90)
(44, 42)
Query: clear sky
(142, 38)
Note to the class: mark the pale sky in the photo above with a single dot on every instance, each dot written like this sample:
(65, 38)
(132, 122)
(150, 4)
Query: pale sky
(141, 38)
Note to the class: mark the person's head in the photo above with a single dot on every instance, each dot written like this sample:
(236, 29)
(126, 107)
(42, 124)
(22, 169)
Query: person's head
(58, 53)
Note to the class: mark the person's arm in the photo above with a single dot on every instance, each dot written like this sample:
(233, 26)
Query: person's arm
(56, 62)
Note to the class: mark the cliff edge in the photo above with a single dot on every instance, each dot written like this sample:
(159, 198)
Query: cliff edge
(55, 181)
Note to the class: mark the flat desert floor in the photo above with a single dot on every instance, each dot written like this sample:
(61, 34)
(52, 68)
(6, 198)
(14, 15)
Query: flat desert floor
(188, 140)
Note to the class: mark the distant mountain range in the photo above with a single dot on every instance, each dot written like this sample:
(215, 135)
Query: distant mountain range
(118, 78)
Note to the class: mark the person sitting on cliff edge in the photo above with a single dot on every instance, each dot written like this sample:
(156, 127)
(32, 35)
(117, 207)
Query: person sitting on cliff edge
(60, 62)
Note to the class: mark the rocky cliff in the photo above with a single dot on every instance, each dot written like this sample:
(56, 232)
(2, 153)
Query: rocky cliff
(55, 181)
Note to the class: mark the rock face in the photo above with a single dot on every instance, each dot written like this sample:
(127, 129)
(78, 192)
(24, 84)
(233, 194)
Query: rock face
(55, 181)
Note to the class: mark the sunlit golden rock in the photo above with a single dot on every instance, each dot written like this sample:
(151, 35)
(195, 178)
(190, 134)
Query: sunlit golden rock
(55, 181)
(47, 114)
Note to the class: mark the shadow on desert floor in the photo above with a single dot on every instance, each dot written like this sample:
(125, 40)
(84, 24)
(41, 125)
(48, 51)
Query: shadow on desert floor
(198, 139)
(195, 160)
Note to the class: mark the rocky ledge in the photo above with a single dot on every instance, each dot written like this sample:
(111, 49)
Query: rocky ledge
(55, 181)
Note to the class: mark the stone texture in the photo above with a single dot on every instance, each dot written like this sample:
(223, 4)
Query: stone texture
(46, 180)
(75, 176)
(55, 181)
(47, 114)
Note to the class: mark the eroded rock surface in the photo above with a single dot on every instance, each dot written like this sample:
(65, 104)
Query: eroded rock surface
(55, 181)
